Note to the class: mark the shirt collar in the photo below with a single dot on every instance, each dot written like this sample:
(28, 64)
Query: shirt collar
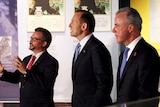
(84, 41)
(132, 45)
(38, 55)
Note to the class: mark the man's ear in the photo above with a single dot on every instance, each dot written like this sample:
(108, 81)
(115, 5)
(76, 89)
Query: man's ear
(44, 44)
(131, 27)
(84, 26)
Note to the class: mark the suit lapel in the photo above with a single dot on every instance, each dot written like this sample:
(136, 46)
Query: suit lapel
(84, 50)
(128, 64)
(43, 56)
(132, 57)
(81, 56)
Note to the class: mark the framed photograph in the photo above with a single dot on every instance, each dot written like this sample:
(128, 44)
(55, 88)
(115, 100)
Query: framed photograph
(49, 14)
(101, 9)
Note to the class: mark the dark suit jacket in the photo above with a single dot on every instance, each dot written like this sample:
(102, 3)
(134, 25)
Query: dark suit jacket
(141, 74)
(92, 76)
(37, 85)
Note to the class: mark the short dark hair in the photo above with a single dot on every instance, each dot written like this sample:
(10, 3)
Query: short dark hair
(133, 16)
(88, 18)
(46, 35)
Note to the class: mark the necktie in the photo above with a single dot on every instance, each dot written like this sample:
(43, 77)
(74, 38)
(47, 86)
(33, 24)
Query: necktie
(31, 62)
(125, 54)
(77, 51)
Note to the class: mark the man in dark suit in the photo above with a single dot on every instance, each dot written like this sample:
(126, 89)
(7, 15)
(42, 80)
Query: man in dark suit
(140, 76)
(92, 71)
(38, 81)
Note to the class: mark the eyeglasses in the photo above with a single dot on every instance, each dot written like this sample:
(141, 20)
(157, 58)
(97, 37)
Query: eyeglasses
(35, 39)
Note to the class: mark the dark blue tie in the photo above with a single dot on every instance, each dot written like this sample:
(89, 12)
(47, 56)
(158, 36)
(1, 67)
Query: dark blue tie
(125, 54)
(77, 51)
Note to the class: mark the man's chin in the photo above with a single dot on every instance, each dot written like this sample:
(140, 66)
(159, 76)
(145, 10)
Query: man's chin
(31, 49)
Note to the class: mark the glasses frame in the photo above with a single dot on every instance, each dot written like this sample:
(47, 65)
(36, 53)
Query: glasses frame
(36, 39)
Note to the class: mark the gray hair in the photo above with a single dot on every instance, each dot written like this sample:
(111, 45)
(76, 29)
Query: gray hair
(133, 17)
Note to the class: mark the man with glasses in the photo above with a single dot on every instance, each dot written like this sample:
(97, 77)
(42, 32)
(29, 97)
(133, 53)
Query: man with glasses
(37, 76)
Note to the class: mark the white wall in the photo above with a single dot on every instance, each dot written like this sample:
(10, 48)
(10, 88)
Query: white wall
(62, 48)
